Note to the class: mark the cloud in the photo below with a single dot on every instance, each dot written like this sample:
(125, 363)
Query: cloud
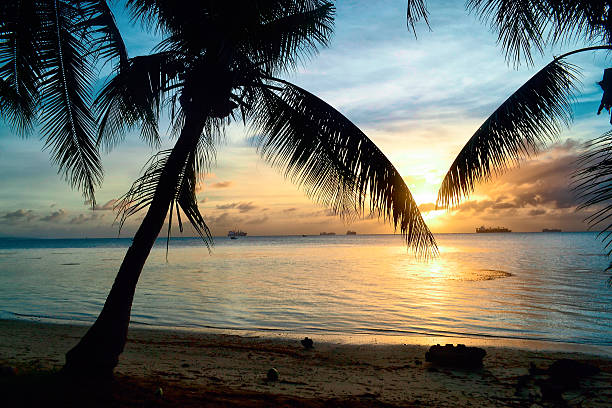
(260, 220)
(427, 207)
(242, 207)
(542, 182)
(54, 216)
(536, 195)
(203, 200)
(246, 207)
(226, 206)
(288, 210)
(18, 215)
(108, 206)
(221, 184)
(224, 219)
(82, 219)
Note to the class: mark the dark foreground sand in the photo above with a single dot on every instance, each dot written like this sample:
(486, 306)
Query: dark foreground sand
(195, 369)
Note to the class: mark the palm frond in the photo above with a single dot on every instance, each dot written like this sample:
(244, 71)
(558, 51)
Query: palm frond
(18, 112)
(67, 123)
(415, 11)
(592, 183)
(144, 189)
(530, 117)
(186, 195)
(279, 42)
(134, 96)
(99, 21)
(334, 161)
(163, 14)
(21, 64)
(526, 25)
(520, 24)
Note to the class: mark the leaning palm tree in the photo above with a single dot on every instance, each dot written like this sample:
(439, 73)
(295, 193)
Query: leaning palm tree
(48, 52)
(542, 107)
(221, 60)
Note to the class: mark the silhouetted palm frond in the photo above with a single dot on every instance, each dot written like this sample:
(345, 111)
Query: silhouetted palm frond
(99, 21)
(142, 192)
(580, 19)
(530, 117)
(277, 42)
(416, 10)
(592, 182)
(520, 25)
(335, 162)
(21, 64)
(18, 112)
(67, 123)
(525, 25)
(186, 195)
(134, 97)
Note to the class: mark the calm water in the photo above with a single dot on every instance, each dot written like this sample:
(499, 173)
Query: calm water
(525, 286)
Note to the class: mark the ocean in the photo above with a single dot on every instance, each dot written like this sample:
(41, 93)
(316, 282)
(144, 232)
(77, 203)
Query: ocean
(524, 286)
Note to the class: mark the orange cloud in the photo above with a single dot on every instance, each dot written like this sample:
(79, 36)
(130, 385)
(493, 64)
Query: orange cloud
(221, 184)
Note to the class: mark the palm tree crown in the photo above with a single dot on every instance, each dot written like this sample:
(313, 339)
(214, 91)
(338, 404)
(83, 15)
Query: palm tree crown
(222, 60)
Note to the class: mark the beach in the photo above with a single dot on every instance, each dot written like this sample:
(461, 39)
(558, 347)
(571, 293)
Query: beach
(211, 369)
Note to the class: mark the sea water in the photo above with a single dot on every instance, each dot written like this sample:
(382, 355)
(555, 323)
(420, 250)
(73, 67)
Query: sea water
(535, 286)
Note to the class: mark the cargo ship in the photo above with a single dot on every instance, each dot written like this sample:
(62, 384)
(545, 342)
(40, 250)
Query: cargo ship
(483, 229)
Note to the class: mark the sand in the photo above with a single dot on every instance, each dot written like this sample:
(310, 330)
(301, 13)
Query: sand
(189, 364)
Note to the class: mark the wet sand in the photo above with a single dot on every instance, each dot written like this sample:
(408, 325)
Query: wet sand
(229, 370)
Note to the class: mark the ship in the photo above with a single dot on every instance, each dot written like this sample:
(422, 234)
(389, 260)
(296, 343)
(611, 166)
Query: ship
(484, 229)
(327, 233)
(349, 232)
(551, 230)
(234, 234)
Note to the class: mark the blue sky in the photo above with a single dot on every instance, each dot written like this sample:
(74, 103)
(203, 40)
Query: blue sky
(419, 100)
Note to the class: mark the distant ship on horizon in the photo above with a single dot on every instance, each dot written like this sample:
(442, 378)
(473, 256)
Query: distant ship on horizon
(233, 234)
(349, 232)
(551, 230)
(484, 229)
(327, 233)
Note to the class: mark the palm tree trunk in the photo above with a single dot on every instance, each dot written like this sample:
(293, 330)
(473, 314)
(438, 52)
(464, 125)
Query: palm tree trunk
(98, 351)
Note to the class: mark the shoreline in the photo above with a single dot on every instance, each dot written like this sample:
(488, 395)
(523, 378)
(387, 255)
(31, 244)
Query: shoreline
(395, 374)
(358, 338)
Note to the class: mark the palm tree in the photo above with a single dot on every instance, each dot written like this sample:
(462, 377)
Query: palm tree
(537, 112)
(221, 60)
(48, 51)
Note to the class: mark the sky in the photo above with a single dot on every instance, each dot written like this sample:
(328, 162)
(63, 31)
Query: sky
(419, 99)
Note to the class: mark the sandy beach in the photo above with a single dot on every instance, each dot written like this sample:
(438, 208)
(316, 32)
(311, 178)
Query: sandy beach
(227, 370)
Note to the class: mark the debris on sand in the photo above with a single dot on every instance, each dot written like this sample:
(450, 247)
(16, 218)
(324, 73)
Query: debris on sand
(272, 374)
(307, 343)
(459, 356)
